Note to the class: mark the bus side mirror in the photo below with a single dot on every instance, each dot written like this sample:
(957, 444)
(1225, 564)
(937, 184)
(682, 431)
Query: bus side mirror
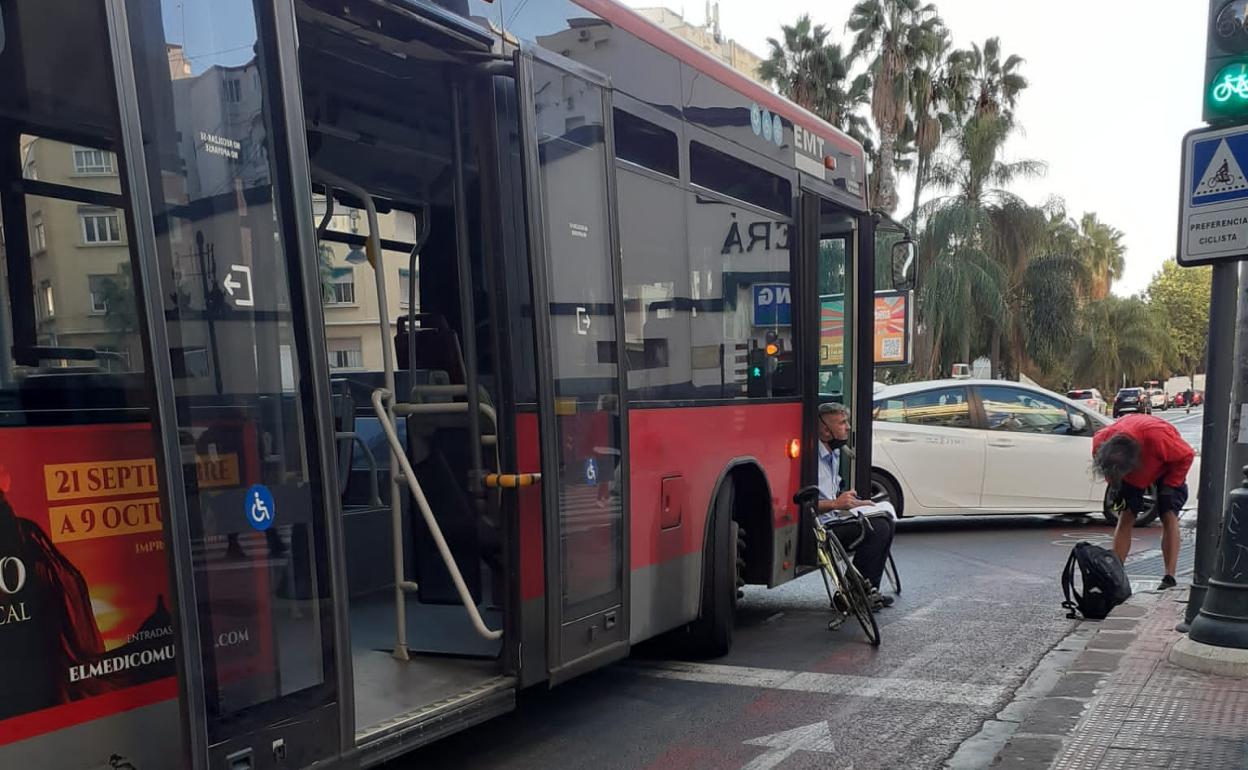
(905, 255)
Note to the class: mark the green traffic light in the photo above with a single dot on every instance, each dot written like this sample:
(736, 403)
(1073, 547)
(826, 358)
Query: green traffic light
(756, 371)
(1230, 87)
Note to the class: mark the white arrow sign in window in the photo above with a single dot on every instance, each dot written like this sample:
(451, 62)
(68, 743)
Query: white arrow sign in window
(239, 288)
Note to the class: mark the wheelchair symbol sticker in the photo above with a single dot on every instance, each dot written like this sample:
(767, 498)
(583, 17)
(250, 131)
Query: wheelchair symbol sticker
(259, 507)
(591, 471)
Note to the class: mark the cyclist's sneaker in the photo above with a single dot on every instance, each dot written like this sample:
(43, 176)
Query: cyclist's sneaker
(878, 600)
(1167, 582)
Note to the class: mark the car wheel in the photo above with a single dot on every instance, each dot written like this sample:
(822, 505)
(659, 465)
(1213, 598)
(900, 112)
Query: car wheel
(884, 489)
(1109, 512)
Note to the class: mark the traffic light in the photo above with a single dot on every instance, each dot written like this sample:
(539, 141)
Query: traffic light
(1226, 63)
(756, 379)
(772, 347)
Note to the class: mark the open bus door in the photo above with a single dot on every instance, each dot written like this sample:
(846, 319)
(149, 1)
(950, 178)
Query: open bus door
(566, 115)
(212, 126)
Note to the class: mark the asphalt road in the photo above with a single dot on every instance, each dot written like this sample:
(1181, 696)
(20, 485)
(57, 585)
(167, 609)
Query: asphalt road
(1188, 424)
(980, 607)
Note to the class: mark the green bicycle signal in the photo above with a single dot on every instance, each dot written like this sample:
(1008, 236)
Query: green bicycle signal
(1231, 85)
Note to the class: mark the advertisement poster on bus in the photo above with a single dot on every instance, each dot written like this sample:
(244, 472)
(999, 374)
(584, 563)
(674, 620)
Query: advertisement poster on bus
(86, 629)
(85, 624)
(892, 329)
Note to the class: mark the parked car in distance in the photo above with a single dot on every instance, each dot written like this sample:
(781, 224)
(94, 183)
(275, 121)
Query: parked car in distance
(1198, 397)
(1157, 398)
(1179, 401)
(1132, 400)
(949, 447)
(1090, 397)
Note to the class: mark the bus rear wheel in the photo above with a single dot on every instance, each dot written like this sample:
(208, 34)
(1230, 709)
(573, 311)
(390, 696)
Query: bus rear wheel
(711, 633)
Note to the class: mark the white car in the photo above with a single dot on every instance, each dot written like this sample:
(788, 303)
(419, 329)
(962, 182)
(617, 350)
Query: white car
(1157, 399)
(1089, 397)
(950, 447)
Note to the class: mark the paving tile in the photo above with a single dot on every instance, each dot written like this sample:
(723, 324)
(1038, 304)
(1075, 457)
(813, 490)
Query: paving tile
(1026, 752)
(1143, 711)
(1112, 640)
(1077, 685)
(1053, 716)
(1094, 660)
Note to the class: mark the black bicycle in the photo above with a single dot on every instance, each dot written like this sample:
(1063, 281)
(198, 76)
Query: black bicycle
(848, 591)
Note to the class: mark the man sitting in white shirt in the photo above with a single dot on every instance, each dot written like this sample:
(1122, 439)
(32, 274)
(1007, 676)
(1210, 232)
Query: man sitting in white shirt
(871, 554)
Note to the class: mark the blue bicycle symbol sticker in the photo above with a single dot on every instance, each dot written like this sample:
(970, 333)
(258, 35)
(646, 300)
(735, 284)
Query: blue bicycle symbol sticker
(259, 507)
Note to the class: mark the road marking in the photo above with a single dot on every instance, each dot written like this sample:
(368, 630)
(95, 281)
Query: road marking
(923, 690)
(1186, 418)
(815, 737)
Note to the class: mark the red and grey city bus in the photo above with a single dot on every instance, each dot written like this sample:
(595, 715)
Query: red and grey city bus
(363, 362)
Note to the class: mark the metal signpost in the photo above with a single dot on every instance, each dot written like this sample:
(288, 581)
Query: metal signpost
(1213, 230)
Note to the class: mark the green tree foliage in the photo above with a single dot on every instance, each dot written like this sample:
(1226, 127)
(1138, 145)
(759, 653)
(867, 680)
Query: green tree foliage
(1180, 297)
(1119, 337)
(896, 35)
(997, 276)
(806, 67)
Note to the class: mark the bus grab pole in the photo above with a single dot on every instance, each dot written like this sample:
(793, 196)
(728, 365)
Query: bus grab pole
(373, 250)
(467, 313)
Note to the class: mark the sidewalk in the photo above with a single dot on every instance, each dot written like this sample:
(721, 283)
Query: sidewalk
(1121, 704)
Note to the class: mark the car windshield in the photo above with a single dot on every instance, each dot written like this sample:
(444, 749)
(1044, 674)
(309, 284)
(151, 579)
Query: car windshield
(1129, 392)
(1079, 394)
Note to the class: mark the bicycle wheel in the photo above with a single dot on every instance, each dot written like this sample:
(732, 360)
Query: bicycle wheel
(860, 603)
(854, 591)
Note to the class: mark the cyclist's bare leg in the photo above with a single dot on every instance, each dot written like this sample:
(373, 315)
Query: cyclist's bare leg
(1122, 534)
(1170, 541)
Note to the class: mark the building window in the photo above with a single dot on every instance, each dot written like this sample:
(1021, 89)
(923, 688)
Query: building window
(91, 161)
(233, 90)
(104, 227)
(345, 354)
(38, 234)
(341, 287)
(99, 288)
(47, 305)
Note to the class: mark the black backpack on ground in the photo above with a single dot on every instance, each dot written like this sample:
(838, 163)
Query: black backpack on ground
(1104, 581)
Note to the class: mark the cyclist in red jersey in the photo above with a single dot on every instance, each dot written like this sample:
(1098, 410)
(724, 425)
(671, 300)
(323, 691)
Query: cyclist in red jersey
(1133, 454)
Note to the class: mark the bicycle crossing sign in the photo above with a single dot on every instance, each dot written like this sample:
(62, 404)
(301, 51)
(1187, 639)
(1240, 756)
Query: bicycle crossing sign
(1213, 224)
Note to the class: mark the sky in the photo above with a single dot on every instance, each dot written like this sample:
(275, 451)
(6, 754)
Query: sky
(1114, 87)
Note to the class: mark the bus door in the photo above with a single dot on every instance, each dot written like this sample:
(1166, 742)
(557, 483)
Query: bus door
(566, 116)
(232, 295)
(829, 244)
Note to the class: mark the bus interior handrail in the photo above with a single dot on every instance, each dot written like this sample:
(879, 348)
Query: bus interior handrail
(380, 396)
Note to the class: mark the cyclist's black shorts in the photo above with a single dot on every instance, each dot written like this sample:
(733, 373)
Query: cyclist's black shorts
(1133, 497)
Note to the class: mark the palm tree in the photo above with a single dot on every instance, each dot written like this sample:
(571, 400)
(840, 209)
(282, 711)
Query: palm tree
(939, 95)
(1119, 337)
(997, 83)
(1103, 252)
(898, 33)
(807, 69)
(990, 221)
(1097, 244)
(962, 285)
